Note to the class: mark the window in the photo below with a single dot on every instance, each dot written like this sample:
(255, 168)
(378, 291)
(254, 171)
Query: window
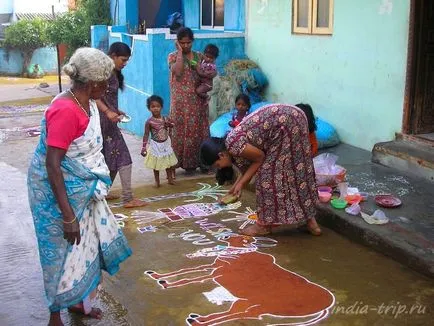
(312, 17)
(212, 14)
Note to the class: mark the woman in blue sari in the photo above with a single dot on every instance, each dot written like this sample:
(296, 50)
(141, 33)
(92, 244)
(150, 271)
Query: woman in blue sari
(68, 180)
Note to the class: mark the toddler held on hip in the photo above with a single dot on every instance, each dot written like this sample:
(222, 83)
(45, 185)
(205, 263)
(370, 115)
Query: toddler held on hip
(158, 153)
(207, 70)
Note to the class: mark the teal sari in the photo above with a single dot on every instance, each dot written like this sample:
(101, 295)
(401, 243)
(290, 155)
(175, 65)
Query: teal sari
(72, 272)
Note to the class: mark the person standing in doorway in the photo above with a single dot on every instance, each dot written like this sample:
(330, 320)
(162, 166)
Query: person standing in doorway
(115, 150)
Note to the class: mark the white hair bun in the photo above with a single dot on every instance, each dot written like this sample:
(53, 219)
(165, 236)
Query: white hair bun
(89, 64)
(71, 70)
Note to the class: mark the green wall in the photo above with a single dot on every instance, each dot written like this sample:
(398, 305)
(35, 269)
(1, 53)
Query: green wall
(354, 79)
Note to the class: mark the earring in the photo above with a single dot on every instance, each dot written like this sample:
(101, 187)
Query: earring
(95, 85)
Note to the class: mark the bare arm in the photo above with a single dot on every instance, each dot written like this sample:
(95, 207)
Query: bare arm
(254, 155)
(55, 176)
(169, 123)
(145, 138)
(103, 108)
(178, 67)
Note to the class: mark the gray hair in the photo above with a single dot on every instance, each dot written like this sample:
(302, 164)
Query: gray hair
(89, 64)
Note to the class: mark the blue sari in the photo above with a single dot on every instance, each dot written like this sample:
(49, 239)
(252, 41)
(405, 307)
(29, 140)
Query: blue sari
(72, 272)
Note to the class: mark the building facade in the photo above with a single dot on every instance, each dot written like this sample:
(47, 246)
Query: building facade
(355, 62)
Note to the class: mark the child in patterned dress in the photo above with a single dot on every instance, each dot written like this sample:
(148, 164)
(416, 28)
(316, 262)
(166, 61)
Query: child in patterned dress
(158, 153)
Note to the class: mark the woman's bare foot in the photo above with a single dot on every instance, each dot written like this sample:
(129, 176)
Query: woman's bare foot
(111, 196)
(313, 227)
(256, 229)
(157, 185)
(135, 203)
(171, 182)
(95, 313)
(55, 319)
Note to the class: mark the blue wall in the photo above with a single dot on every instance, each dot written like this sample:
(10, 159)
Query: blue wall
(155, 12)
(147, 71)
(191, 13)
(125, 13)
(234, 14)
(99, 37)
(11, 62)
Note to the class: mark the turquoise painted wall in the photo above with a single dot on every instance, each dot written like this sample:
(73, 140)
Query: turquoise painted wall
(234, 14)
(147, 71)
(11, 63)
(191, 13)
(125, 12)
(355, 78)
(99, 37)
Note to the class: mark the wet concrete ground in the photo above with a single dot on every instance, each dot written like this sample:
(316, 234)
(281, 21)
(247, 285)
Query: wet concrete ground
(370, 289)
(359, 278)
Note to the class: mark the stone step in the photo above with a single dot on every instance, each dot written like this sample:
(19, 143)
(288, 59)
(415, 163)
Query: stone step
(411, 156)
(408, 237)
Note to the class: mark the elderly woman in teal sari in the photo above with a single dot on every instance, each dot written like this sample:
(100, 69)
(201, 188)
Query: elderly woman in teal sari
(68, 180)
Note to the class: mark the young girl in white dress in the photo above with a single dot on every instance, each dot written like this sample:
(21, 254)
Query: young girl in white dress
(158, 153)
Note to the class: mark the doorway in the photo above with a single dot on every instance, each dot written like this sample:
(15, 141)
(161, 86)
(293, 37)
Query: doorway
(419, 110)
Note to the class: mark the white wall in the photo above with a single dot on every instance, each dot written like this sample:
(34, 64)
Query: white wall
(39, 6)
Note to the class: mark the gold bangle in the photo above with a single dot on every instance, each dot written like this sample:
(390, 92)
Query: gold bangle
(70, 222)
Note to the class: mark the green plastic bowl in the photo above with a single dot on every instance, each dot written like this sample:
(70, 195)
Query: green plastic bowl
(339, 203)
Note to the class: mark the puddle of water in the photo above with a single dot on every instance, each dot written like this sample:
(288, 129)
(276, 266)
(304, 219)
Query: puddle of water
(13, 109)
(21, 284)
(19, 133)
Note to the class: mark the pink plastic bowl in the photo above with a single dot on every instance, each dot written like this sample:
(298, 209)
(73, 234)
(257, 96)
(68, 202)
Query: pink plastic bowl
(325, 189)
(324, 197)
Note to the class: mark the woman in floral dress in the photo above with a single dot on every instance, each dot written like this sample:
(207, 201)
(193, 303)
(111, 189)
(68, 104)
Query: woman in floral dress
(273, 145)
(187, 110)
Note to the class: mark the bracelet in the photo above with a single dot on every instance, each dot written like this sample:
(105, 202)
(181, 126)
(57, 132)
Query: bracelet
(70, 222)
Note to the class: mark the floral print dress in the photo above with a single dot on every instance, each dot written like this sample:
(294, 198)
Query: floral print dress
(285, 182)
(188, 112)
(115, 149)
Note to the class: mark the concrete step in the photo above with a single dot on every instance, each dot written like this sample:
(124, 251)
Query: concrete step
(408, 237)
(410, 156)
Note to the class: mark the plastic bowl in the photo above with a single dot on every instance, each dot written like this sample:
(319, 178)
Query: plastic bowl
(331, 179)
(325, 189)
(352, 199)
(125, 118)
(364, 195)
(339, 203)
(324, 197)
